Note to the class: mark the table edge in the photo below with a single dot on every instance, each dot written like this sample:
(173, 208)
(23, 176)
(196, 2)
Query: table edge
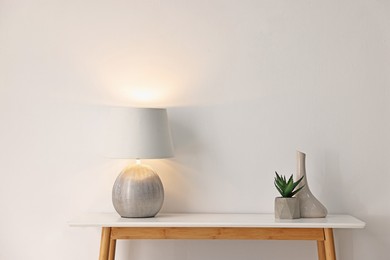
(356, 224)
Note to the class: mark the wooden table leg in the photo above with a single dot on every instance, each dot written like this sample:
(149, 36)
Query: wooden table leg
(321, 250)
(329, 244)
(105, 243)
(111, 255)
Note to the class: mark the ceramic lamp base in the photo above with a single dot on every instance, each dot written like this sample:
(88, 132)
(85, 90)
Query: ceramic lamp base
(138, 192)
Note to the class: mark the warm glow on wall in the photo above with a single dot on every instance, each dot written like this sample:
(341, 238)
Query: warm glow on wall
(141, 95)
(144, 93)
(141, 77)
(150, 88)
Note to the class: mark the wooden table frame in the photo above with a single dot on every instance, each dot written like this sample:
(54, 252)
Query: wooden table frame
(212, 226)
(323, 236)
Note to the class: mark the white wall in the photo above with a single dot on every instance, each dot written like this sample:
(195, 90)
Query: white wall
(247, 83)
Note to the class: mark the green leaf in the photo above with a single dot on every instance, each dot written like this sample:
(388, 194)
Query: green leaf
(296, 191)
(287, 188)
(297, 182)
(279, 183)
(290, 179)
(280, 190)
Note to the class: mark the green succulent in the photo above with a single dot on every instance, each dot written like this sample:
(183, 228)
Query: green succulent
(287, 188)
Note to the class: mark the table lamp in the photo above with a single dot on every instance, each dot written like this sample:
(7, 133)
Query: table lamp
(138, 133)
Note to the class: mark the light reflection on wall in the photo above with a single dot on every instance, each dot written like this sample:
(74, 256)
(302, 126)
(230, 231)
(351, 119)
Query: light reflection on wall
(141, 96)
(142, 86)
(153, 95)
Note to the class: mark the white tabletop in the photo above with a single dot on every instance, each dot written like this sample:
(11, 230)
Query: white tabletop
(214, 220)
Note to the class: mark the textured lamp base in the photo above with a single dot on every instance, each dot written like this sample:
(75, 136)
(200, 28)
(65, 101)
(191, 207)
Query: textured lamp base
(138, 192)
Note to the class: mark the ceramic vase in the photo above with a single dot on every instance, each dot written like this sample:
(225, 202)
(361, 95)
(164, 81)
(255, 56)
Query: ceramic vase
(287, 208)
(310, 206)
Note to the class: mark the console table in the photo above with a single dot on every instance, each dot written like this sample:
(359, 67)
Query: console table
(217, 226)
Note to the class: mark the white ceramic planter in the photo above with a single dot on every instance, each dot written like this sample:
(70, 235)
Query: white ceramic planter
(287, 208)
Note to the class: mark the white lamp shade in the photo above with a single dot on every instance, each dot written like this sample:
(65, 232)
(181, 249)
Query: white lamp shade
(137, 133)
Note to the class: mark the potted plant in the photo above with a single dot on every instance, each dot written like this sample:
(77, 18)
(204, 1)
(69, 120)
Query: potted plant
(287, 206)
